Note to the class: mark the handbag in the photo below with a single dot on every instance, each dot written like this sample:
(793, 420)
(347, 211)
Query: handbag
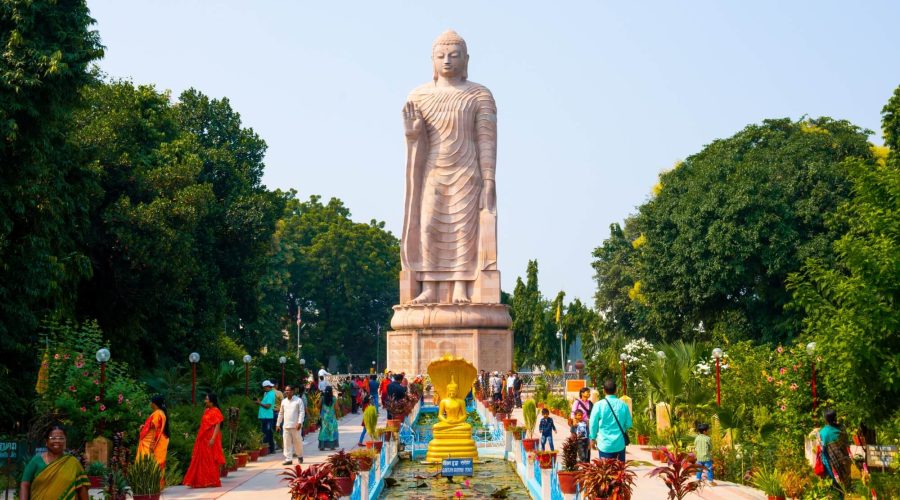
(624, 434)
(819, 468)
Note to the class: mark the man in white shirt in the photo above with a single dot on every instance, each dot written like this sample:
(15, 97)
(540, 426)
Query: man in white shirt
(322, 383)
(290, 418)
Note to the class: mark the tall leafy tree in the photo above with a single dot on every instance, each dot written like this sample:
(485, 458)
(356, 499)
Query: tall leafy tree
(528, 310)
(851, 304)
(45, 194)
(734, 220)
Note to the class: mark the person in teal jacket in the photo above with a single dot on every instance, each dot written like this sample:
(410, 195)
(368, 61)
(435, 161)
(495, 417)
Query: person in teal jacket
(828, 434)
(610, 420)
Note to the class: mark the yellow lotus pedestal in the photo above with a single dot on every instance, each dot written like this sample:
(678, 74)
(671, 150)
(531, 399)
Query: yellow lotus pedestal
(452, 434)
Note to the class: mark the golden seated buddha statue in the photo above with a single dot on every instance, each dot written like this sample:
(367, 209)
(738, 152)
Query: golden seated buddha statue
(452, 435)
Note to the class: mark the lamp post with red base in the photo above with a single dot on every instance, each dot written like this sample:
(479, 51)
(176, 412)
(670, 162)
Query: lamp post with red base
(194, 358)
(247, 360)
(811, 350)
(717, 353)
(102, 358)
(623, 358)
(282, 360)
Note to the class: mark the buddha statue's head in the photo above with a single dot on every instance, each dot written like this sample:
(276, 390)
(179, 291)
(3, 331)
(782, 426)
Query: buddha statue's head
(450, 56)
(452, 387)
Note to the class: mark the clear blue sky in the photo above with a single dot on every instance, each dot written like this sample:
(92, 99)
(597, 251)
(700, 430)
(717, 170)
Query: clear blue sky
(594, 98)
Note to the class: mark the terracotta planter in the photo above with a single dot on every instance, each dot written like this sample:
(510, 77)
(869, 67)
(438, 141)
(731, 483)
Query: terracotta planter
(656, 454)
(393, 423)
(643, 440)
(529, 444)
(378, 445)
(773, 497)
(154, 496)
(509, 423)
(500, 416)
(345, 485)
(254, 455)
(545, 460)
(96, 481)
(567, 481)
(519, 435)
(241, 459)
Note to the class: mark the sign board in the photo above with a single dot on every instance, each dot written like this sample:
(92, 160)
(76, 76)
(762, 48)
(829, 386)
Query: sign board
(456, 467)
(9, 450)
(882, 456)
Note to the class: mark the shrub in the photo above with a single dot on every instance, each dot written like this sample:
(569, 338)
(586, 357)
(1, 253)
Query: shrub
(144, 476)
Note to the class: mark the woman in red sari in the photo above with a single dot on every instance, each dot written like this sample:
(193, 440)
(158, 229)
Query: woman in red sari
(207, 457)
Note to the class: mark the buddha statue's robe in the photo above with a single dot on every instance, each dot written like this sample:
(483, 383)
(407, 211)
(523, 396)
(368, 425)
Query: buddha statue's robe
(452, 436)
(445, 178)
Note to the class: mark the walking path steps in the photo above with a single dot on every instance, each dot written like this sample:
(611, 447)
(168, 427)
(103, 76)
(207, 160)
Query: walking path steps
(260, 480)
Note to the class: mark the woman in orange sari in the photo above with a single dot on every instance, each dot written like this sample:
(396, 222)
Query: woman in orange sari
(154, 439)
(207, 457)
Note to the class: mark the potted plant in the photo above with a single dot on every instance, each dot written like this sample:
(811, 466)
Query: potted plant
(144, 477)
(385, 433)
(399, 408)
(316, 482)
(793, 483)
(96, 471)
(769, 481)
(569, 456)
(313, 400)
(241, 459)
(679, 473)
(545, 458)
(529, 414)
(643, 429)
(365, 458)
(606, 478)
(370, 421)
(518, 432)
(253, 443)
(344, 468)
(230, 464)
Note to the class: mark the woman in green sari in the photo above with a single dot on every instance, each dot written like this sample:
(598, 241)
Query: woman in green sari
(328, 432)
(53, 475)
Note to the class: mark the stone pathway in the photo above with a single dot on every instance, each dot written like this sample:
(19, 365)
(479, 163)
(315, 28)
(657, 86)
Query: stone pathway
(648, 488)
(260, 479)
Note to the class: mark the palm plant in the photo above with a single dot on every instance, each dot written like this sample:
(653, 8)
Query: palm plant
(224, 380)
(529, 414)
(671, 379)
(174, 382)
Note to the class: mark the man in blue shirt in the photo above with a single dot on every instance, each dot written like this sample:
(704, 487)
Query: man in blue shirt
(604, 427)
(266, 414)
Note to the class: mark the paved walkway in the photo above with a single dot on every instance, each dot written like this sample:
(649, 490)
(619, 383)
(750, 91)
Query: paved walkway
(259, 480)
(648, 488)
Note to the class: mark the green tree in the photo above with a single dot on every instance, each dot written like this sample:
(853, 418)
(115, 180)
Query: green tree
(44, 193)
(734, 220)
(528, 310)
(851, 303)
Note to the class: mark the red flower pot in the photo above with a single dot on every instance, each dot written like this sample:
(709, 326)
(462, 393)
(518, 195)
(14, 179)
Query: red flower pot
(393, 423)
(643, 440)
(545, 460)
(500, 416)
(96, 481)
(509, 423)
(254, 455)
(378, 445)
(263, 450)
(529, 444)
(241, 459)
(567, 481)
(773, 497)
(345, 485)
(154, 496)
(656, 454)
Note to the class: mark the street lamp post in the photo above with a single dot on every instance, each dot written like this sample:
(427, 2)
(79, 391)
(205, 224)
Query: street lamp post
(282, 360)
(717, 353)
(193, 358)
(247, 360)
(811, 350)
(562, 357)
(374, 368)
(623, 358)
(102, 358)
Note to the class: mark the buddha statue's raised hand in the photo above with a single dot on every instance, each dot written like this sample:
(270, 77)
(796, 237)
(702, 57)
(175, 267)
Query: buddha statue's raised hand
(413, 123)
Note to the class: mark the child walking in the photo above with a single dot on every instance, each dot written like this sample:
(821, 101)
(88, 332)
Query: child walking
(547, 428)
(703, 450)
(584, 442)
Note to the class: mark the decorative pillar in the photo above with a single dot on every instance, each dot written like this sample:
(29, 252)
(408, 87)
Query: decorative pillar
(545, 483)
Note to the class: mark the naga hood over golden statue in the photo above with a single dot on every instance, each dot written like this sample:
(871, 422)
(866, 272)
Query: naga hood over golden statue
(452, 378)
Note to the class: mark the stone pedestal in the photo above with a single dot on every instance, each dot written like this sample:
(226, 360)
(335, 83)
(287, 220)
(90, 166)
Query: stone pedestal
(410, 351)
